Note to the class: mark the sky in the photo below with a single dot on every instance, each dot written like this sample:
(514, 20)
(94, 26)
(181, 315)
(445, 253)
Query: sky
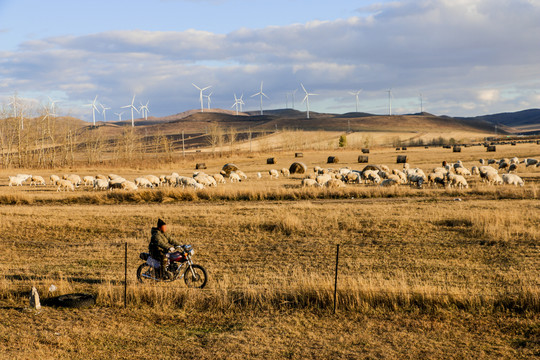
(452, 57)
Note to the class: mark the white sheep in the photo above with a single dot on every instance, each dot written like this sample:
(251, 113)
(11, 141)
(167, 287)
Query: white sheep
(241, 174)
(437, 178)
(285, 172)
(75, 179)
(457, 181)
(493, 178)
(88, 180)
(129, 185)
(99, 176)
(114, 176)
(37, 180)
(514, 160)
(259, 176)
(234, 177)
(101, 184)
(54, 179)
(153, 179)
(66, 185)
(273, 173)
(352, 177)
(334, 183)
(309, 182)
(475, 171)
(143, 182)
(16, 180)
(512, 179)
(116, 183)
(462, 171)
(323, 179)
(219, 178)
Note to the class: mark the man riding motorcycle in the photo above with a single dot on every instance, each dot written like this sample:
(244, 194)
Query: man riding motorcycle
(160, 245)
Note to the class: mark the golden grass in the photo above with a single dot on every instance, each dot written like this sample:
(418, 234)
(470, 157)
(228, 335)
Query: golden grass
(421, 275)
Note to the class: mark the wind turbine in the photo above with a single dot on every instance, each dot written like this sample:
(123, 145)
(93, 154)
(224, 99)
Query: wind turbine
(119, 115)
(356, 95)
(208, 97)
(103, 112)
(261, 95)
(306, 98)
(52, 103)
(94, 108)
(389, 101)
(144, 110)
(201, 94)
(421, 104)
(292, 96)
(130, 106)
(237, 103)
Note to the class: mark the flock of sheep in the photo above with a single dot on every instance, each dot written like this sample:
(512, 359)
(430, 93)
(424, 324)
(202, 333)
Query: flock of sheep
(448, 175)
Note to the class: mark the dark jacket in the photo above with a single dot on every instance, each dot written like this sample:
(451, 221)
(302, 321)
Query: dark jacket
(160, 243)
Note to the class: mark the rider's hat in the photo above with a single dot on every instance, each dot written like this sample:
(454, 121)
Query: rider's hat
(160, 223)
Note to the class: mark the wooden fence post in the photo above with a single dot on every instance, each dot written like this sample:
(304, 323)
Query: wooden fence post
(336, 282)
(125, 276)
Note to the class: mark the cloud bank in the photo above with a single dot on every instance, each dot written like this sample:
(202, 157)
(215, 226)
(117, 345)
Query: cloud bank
(467, 57)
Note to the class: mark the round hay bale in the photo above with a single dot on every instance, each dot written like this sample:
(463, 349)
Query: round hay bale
(271, 161)
(228, 168)
(363, 158)
(200, 166)
(298, 155)
(401, 159)
(371, 167)
(332, 160)
(456, 149)
(298, 168)
(491, 148)
(365, 151)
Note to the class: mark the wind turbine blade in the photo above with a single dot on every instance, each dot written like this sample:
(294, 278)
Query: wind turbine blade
(303, 88)
(196, 86)
(208, 87)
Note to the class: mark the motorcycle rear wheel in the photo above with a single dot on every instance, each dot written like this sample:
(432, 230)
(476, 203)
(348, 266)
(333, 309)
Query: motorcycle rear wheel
(198, 280)
(146, 273)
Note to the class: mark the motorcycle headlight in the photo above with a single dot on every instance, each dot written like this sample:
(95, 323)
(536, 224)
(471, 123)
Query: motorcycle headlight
(191, 252)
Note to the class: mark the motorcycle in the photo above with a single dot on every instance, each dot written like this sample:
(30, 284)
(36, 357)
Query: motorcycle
(179, 265)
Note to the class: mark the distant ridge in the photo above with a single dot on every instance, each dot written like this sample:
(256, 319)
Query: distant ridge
(512, 119)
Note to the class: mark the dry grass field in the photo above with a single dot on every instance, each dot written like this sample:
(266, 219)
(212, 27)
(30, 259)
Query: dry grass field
(423, 273)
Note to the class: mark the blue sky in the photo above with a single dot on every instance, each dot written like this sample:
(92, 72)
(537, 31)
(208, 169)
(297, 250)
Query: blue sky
(466, 57)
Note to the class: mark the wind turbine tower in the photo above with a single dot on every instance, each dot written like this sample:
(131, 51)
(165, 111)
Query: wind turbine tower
(103, 112)
(306, 98)
(94, 109)
(356, 96)
(389, 101)
(261, 94)
(130, 106)
(119, 115)
(201, 94)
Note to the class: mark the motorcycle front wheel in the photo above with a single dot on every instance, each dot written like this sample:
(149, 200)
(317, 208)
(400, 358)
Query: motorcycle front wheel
(146, 273)
(195, 277)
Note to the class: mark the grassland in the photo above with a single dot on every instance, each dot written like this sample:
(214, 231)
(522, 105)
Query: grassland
(421, 275)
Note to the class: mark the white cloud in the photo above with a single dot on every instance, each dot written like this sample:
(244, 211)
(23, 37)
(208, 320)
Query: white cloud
(450, 50)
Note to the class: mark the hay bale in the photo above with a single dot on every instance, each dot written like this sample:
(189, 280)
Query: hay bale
(298, 168)
(403, 148)
(491, 148)
(332, 160)
(371, 167)
(456, 149)
(513, 143)
(365, 151)
(200, 166)
(397, 149)
(401, 159)
(363, 158)
(271, 161)
(228, 168)
(447, 147)
(537, 142)
(298, 155)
